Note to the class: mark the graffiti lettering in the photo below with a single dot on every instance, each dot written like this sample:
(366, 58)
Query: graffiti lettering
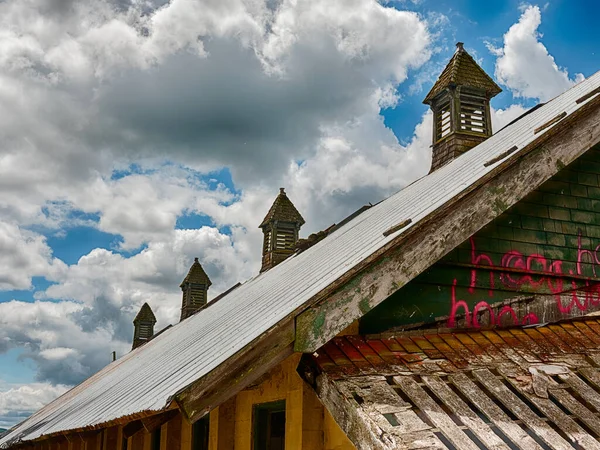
(532, 272)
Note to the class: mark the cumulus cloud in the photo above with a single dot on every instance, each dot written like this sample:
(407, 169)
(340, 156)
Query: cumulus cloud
(524, 64)
(23, 255)
(19, 402)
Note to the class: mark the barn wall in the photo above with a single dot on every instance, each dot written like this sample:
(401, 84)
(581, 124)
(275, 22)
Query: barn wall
(538, 262)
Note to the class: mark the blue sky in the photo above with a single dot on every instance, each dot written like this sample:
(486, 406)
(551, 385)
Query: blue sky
(132, 147)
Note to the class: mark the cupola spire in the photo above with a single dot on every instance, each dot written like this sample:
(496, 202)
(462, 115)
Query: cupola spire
(280, 227)
(195, 290)
(460, 101)
(143, 326)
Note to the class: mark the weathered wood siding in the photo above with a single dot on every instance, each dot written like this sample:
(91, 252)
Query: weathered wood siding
(538, 262)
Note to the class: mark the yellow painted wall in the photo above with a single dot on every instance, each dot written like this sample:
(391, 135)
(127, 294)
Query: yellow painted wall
(308, 424)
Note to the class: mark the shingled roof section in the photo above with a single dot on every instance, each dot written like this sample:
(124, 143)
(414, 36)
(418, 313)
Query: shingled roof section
(500, 389)
(196, 275)
(283, 210)
(145, 314)
(464, 71)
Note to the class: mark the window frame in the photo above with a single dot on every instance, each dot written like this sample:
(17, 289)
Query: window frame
(277, 406)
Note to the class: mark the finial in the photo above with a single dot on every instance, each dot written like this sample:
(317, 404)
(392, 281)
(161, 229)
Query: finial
(195, 259)
(460, 46)
(282, 191)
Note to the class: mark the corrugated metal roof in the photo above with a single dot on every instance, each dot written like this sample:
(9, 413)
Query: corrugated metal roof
(520, 388)
(148, 377)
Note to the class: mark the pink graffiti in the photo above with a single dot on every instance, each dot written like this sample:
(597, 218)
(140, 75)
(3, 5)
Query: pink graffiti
(534, 272)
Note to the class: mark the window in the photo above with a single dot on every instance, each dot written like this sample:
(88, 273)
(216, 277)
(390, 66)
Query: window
(155, 439)
(269, 426)
(200, 434)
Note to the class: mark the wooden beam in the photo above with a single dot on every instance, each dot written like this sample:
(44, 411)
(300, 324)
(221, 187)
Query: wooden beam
(237, 372)
(414, 251)
(153, 422)
(132, 428)
(349, 417)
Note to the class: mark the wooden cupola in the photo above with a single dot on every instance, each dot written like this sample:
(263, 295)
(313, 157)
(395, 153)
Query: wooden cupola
(195, 290)
(143, 326)
(460, 101)
(280, 227)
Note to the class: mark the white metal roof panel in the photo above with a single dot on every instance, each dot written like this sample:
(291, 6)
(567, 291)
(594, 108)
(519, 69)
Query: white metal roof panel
(146, 378)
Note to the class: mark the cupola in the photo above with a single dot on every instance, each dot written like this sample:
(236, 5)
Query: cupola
(195, 290)
(143, 326)
(460, 101)
(280, 228)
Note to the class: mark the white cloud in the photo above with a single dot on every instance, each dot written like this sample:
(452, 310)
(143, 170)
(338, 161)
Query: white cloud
(24, 254)
(18, 402)
(524, 64)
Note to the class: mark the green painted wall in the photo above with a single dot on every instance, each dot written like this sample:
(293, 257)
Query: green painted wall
(537, 262)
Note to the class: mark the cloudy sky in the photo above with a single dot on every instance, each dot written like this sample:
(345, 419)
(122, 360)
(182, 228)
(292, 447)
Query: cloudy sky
(138, 134)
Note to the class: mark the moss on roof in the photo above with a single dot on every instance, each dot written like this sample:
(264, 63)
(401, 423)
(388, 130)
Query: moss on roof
(196, 275)
(145, 314)
(462, 70)
(283, 210)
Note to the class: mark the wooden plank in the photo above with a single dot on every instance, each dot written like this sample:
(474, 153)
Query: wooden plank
(111, 439)
(137, 441)
(353, 421)
(174, 433)
(153, 422)
(521, 410)
(465, 414)
(486, 405)
(591, 374)
(584, 390)
(405, 257)
(565, 423)
(576, 408)
(435, 413)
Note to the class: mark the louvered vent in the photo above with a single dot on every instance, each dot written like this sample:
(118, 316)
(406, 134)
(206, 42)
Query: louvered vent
(286, 239)
(443, 121)
(473, 117)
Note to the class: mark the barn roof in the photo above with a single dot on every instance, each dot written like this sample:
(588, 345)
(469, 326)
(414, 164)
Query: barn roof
(496, 389)
(149, 378)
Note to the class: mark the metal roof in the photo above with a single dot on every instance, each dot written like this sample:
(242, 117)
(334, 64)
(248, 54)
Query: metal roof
(147, 378)
(526, 388)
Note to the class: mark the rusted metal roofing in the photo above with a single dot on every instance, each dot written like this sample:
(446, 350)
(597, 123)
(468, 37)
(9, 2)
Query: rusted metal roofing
(526, 388)
(463, 70)
(148, 378)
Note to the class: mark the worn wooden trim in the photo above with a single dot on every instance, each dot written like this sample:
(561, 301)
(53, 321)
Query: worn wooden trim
(551, 122)
(154, 422)
(132, 428)
(350, 417)
(405, 257)
(238, 372)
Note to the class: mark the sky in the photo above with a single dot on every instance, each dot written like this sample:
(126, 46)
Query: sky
(136, 135)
